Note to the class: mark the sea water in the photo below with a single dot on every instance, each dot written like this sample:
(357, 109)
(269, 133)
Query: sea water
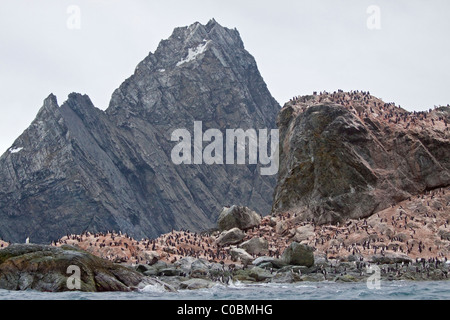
(397, 290)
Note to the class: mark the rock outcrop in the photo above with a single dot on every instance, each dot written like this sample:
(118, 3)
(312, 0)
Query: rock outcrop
(238, 217)
(47, 268)
(233, 236)
(298, 255)
(256, 246)
(349, 155)
(78, 168)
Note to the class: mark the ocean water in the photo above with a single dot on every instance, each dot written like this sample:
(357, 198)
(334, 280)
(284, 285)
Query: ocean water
(400, 290)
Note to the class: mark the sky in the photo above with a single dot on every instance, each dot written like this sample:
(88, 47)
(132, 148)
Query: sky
(396, 49)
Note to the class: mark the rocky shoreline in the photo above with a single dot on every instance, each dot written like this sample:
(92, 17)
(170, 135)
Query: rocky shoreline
(43, 268)
(191, 273)
(409, 241)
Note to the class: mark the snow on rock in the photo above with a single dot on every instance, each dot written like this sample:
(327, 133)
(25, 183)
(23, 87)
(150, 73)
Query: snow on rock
(194, 53)
(15, 150)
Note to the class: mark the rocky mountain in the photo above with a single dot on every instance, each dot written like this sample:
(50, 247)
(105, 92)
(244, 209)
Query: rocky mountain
(78, 168)
(349, 155)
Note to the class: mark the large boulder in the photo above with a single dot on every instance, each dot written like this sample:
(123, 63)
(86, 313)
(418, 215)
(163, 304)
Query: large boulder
(238, 217)
(241, 254)
(304, 233)
(298, 255)
(196, 284)
(343, 156)
(51, 269)
(233, 236)
(256, 246)
(273, 262)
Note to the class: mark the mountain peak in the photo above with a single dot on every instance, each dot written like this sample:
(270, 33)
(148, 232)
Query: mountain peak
(77, 168)
(195, 47)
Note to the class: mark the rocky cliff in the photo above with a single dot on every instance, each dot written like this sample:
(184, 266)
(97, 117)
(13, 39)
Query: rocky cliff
(350, 155)
(78, 168)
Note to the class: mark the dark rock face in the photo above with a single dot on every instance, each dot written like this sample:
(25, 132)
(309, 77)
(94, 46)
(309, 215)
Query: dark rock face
(346, 162)
(77, 168)
(46, 268)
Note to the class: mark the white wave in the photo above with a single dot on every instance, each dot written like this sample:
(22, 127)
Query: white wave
(152, 288)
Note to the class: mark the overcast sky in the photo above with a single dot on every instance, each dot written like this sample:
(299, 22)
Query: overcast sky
(300, 47)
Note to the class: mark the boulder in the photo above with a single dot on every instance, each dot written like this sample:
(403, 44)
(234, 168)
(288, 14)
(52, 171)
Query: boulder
(50, 269)
(200, 268)
(320, 259)
(233, 236)
(286, 277)
(256, 246)
(298, 255)
(254, 274)
(444, 234)
(276, 263)
(238, 217)
(281, 227)
(390, 258)
(195, 284)
(170, 272)
(303, 233)
(260, 274)
(152, 257)
(242, 255)
(185, 264)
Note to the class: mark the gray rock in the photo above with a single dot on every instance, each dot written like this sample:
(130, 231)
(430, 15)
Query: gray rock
(201, 264)
(304, 233)
(242, 255)
(185, 264)
(152, 272)
(260, 274)
(160, 265)
(276, 263)
(82, 168)
(254, 274)
(233, 236)
(444, 234)
(299, 255)
(170, 272)
(196, 284)
(256, 246)
(266, 265)
(238, 217)
(320, 260)
(142, 268)
(313, 277)
(260, 260)
(152, 257)
(286, 277)
(390, 258)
